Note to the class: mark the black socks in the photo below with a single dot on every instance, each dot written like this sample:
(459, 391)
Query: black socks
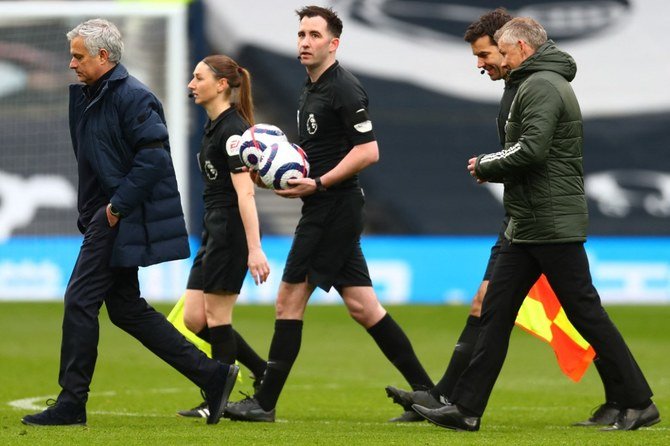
(283, 353)
(398, 349)
(246, 355)
(223, 342)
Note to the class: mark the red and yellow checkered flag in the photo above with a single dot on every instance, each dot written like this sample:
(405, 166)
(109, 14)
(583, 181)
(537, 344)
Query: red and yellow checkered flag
(542, 315)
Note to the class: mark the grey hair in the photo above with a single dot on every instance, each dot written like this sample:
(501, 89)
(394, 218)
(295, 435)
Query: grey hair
(99, 34)
(522, 28)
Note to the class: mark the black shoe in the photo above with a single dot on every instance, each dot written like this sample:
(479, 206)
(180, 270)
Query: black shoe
(217, 399)
(632, 419)
(199, 411)
(249, 410)
(604, 415)
(407, 398)
(408, 416)
(449, 417)
(58, 414)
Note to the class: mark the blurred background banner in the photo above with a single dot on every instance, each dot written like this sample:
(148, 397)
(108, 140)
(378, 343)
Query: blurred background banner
(429, 225)
(405, 269)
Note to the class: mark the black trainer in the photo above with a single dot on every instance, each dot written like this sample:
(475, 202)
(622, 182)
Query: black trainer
(604, 415)
(449, 417)
(408, 416)
(218, 399)
(248, 409)
(199, 411)
(633, 419)
(407, 398)
(58, 414)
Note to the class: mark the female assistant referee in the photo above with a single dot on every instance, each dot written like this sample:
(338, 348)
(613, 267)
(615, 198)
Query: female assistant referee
(231, 242)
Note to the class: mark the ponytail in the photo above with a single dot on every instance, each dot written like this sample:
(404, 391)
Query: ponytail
(245, 100)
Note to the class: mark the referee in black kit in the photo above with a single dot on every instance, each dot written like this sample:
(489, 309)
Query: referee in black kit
(231, 240)
(336, 133)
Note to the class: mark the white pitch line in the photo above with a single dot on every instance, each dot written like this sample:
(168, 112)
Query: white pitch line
(37, 402)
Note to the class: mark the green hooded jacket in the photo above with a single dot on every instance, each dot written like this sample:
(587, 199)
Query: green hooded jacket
(541, 164)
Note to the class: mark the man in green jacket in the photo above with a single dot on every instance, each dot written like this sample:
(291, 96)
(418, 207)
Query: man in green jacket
(541, 168)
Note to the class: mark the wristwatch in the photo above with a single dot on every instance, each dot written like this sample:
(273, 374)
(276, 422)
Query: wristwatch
(113, 211)
(319, 186)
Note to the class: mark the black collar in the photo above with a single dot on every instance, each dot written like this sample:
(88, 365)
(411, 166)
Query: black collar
(325, 75)
(93, 90)
(211, 125)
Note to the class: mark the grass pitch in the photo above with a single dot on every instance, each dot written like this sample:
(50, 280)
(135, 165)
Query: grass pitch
(335, 394)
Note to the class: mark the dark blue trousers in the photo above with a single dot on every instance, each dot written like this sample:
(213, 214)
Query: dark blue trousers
(93, 282)
(567, 269)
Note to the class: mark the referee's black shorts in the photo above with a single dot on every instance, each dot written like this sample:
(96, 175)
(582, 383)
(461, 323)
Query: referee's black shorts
(221, 261)
(326, 247)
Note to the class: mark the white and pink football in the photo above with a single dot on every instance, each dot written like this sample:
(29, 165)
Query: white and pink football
(281, 162)
(256, 139)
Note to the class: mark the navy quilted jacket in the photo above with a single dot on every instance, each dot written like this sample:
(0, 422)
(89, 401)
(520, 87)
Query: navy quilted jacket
(124, 135)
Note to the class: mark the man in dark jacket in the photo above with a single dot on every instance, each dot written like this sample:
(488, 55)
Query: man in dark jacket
(541, 167)
(480, 36)
(130, 214)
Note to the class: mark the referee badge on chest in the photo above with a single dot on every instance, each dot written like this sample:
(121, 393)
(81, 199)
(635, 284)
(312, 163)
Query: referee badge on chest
(210, 170)
(312, 126)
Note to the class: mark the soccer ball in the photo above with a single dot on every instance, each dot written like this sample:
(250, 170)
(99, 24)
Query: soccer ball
(256, 139)
(281, 162)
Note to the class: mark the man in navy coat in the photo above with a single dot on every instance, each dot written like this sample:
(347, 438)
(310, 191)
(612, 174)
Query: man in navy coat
(130, 214)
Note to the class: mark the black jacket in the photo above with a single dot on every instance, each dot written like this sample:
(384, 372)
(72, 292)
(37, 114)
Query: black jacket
(541, 164)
